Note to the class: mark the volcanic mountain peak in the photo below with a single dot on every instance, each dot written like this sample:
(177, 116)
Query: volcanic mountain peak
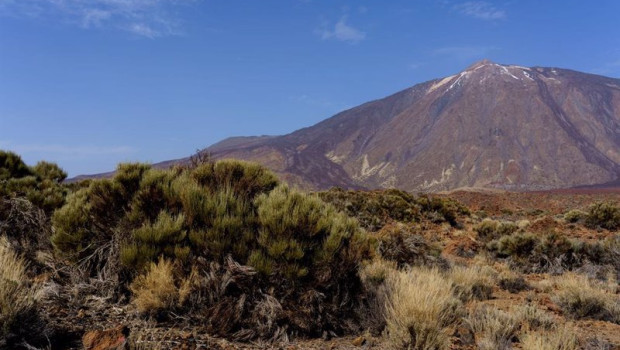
(491, 125)
(482, 62)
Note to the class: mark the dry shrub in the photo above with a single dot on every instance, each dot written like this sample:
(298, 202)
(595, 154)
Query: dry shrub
(26, 227)
(512, 282)
(561, 338)
(421, 309)
(399, 243)
(534, 318)
(374, 276)
(225, 299)
(377, 271)
(18, 298)
(494, 328)
(472, 282)
(155, 290)
(374, 209)
(580, 297)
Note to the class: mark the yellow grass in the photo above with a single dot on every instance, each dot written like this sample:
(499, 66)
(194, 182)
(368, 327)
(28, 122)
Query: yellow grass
(421, 309)
(155, 290)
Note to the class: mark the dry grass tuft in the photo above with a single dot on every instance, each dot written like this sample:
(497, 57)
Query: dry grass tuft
(18, 296)
(512, 282)
(494, 328)
(155, 290)
(534, 318)
(421, 309)
(472, 282)
(561, 338)
(580, 297)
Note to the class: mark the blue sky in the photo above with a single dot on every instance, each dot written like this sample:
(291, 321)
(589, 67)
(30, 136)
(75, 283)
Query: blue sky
(88, 84)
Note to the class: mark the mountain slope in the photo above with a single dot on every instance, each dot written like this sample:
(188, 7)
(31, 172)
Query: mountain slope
(492, 125)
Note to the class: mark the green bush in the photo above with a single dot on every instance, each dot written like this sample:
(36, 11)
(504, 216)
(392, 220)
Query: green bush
(243, 244)
(301, 238)
(574, 216)
(490, 229)
(12, 166)
(175, 212)
(604, 215)
(441, 209)
(40, 184)
(375, 209)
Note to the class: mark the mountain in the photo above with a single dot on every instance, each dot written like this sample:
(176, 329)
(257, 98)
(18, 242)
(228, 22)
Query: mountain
(491, 125)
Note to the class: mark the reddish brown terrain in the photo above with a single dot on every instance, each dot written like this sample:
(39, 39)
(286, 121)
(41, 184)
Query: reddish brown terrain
(539, 213)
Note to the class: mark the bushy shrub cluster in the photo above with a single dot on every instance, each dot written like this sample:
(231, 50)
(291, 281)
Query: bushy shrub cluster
(604, 215)
(490, 229)
(375, 209)
(206, 211)
(225, 213)
(554, 252)
(40, 184)
(400, 243)
(442, 209)
(574, 216)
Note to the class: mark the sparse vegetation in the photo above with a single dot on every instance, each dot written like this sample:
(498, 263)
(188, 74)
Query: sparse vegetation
(223, 249)
(561, 338)
(490, 229)
(495, 329)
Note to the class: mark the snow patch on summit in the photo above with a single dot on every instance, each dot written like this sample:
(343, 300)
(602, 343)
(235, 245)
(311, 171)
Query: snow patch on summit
(506, 71)
(458, 80)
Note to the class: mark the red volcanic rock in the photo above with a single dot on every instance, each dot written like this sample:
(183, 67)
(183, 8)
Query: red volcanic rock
(110, 339)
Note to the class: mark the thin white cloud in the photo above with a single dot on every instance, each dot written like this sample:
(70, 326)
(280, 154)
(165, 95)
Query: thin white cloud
(465, 52)
(342, 31)
(146, 18)
(480, 10)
